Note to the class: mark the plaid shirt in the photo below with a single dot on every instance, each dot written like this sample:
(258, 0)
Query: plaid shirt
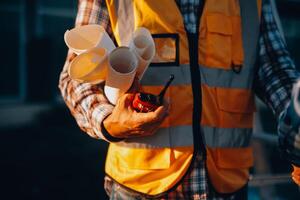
(275, 75)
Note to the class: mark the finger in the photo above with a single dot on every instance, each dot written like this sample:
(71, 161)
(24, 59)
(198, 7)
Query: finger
(151, 117)
(296, 181)
(167, 104)
(295, 175)
(158, 115)
(152, 128)
(163, 109)
(126, 100)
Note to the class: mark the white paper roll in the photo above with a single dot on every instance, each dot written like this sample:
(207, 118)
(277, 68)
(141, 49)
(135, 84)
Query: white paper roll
(122, 66)
(90, 66)
(143, 46)
(83, 38)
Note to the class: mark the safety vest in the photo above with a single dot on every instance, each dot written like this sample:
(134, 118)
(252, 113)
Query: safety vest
(227, 42)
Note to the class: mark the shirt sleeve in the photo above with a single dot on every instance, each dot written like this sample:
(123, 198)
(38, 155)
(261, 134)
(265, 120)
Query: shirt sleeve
(87, 102)
(276, 71)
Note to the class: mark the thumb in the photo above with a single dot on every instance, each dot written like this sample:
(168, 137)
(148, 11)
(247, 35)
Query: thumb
(158, 115)
(126, 100)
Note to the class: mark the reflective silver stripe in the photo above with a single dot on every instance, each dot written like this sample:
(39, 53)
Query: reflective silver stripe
(227, 137)
(160, 75)
(125, 20)
(212, 77)
(215, 77)
(182, 136)
(165, 137)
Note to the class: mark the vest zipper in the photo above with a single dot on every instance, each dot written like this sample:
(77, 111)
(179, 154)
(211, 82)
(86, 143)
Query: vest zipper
(199, 141)
(198, 136)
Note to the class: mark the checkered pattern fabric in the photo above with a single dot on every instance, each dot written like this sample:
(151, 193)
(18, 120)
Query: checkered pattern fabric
(274, 78)
(276, 70)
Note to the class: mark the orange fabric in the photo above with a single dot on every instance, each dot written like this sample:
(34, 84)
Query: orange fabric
(237, 41)
(220, 36)
(228, 167)
(296, 175)
(222, 107)
(227, 108)
(259, 6)
(144, 178)
(180, 110)
(153, 15)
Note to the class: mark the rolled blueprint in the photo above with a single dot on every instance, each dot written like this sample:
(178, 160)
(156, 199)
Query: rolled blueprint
(90, 66)
(143, 46)
(83, 38)
(122, 66)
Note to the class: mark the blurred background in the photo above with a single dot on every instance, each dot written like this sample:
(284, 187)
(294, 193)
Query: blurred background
(44, 155)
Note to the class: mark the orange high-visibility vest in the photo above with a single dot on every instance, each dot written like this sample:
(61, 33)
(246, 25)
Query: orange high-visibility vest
(228, 34)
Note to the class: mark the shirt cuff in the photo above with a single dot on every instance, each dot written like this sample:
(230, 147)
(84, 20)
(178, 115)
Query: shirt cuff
(107, 135)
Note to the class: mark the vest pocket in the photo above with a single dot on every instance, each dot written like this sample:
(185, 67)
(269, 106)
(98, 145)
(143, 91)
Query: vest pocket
(228, 168)
(235, 108)
(232, 158)
(235, 100)
(218, 40)
(221, 37)
(148, 158)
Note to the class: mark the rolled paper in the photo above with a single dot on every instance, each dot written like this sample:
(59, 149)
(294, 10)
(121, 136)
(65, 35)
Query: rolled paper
(90, 66)
(122, 66)
(83, 38)
(142, 44)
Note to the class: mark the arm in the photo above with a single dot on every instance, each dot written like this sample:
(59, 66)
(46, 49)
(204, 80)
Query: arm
(276, 70)
(276, 74)
(87, 102)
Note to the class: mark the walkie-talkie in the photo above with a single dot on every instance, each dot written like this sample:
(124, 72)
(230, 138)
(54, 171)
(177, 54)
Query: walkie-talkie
(146, 102)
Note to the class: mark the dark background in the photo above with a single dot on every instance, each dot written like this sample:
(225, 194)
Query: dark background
(44, 155)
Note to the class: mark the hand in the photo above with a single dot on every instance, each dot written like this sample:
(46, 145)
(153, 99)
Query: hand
(289, 145)
(289, 140)
(296, 175)
(125, 122)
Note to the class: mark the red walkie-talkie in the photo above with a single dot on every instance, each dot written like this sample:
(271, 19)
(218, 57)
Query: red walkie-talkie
(145, 102)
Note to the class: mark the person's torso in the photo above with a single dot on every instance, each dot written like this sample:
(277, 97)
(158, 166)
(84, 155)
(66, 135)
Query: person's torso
(222, 56)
